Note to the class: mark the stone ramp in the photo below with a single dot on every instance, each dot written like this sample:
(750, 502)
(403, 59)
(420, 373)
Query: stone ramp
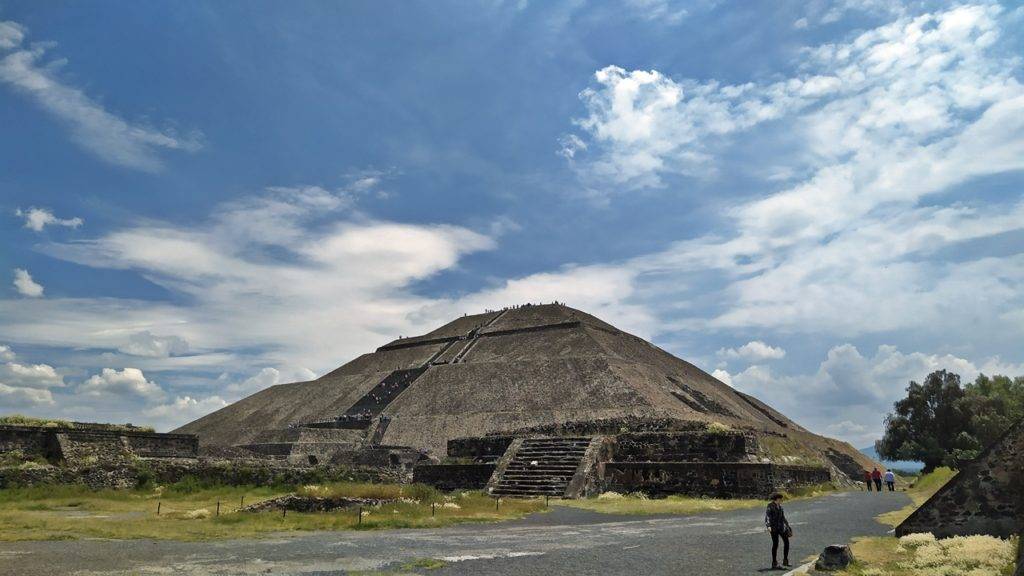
(542, 467)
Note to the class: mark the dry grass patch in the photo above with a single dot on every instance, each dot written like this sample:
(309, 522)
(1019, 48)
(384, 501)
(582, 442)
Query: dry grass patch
(72, 512)
(923, 488)
(922, 554)
(640, 504)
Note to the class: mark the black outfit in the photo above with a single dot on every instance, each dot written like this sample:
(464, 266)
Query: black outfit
(878, 484)
(891, 485)
(775, 521)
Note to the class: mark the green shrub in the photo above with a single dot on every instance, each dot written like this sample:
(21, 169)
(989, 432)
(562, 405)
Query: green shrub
(423, 493)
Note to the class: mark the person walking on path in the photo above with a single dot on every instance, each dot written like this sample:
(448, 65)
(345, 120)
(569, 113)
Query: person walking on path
(877, 477)
(777, 525)
(890, 480)
(867, 480)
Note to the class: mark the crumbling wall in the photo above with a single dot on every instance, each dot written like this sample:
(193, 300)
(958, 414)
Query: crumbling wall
(983, 498)
(486, 449)
(78, 444)
(31, 441)
(683, 447)
(454, 476)
(716, 479)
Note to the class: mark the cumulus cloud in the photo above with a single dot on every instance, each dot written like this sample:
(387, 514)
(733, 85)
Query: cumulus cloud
(858, 388)
(17, 397)
(182, 410)
(39, 218)
(26, 385)
(25, 285)
(265, 378)
(753, 351)
(723, 375)
(145, 343)
(887, 119)
(95, 129)
(125, 383)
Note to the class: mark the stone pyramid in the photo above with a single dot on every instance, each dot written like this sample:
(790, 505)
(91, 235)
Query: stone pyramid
(532, 367)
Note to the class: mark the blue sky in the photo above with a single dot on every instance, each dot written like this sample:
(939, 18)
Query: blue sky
(816, 201)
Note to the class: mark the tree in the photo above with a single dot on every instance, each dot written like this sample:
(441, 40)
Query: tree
(994, 404)
(927, 424)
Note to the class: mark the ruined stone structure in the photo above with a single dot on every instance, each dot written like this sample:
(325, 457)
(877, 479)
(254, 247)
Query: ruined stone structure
(86, 443)
(548, 396)
(985, 497)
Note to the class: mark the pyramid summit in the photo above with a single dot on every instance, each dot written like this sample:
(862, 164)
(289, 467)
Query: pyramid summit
(521, 372)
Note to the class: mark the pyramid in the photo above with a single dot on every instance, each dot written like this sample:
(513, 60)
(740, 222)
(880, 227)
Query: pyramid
(526, 368)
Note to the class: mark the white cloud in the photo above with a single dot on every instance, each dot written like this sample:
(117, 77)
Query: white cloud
(11, 34)
(30, 375)
(857, 388)
(753, 351)
(287, 276)
(125, 383)
(93, 128)
(39, 218)
(182, 410)
(24, 284)
(26, 385)
(145, 343)
(664, 11)
(723, 375)
(15, 397)
(265, 378)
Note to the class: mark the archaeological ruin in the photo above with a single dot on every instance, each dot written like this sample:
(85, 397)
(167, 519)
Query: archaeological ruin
(531, 400)
(985, 497)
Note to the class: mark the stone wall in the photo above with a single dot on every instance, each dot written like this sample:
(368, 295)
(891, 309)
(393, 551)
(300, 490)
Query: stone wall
(82, 444)
(716, 479)
(486, 449)
(983, 498)
(454, 476)
(168, 471)
(32, 441)
(683, 447)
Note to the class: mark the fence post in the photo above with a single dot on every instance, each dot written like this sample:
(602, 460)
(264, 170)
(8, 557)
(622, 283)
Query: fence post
(241, 503)
(218, 507)
(496, 502)
(158, 503)
(360, 521)
(432, 505)
(284, 512)
(545, 500)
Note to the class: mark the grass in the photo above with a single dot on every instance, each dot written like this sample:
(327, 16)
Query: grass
(922, 489)
(918, 554)
(640, 504)
(189, 512)
(21, 420)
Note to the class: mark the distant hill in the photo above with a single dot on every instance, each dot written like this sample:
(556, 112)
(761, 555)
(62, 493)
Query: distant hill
(908, 465)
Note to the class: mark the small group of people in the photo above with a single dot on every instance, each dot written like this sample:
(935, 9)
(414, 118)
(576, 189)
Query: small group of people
(875, 477)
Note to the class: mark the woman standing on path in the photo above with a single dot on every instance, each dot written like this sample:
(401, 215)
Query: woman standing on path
(777, 525)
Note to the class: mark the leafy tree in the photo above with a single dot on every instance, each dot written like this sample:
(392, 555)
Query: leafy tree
(926, 425)
(994, 404)
(942, 423)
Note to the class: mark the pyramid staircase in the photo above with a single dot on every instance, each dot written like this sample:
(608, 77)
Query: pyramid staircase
(542, 467)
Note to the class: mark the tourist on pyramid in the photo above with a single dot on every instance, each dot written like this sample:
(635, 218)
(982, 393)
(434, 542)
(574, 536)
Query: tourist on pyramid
(867, 480)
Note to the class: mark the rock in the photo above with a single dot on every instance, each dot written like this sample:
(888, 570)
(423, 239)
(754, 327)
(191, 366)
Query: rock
(834, 557)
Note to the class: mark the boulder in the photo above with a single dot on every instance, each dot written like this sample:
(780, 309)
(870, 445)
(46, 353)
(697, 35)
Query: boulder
(834, 557)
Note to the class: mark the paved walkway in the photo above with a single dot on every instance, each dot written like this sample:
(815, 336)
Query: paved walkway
(563, 541)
